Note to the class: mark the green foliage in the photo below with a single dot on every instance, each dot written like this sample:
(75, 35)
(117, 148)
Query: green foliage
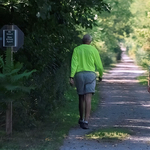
(10, 79)
(51, 33)
(109, 32)
(143, 80)
(138, 42)
(50, 134)
(12, 82)
(52, 29)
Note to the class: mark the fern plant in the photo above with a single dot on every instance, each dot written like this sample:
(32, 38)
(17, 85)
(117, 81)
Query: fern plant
(11, 78)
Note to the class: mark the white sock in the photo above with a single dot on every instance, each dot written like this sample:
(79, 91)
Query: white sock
(86, 121)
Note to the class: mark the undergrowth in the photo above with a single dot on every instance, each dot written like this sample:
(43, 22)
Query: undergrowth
(48, 135)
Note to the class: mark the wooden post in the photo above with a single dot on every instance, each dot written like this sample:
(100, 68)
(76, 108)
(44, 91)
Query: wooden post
(9, 119)
(9, 105)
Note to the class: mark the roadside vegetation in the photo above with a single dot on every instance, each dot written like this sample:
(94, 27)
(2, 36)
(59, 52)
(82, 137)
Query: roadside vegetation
(52, 29)
(48, 135)
(143, 80)
(138, 41)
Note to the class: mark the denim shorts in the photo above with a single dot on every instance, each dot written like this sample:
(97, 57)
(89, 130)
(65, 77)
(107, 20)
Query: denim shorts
(85, 82)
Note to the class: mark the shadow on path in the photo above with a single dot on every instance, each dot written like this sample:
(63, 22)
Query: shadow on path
(125, 103)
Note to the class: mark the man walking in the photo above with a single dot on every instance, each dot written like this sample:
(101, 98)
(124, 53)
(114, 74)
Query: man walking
(85, 60)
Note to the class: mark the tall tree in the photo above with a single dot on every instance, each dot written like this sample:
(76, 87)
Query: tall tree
(139, 41)
(50, 28)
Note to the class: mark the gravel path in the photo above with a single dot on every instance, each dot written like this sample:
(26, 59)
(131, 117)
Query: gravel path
(125, 103)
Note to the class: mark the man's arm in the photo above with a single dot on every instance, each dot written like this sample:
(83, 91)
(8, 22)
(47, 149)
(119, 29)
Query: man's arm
(99, 64)
(74, 64)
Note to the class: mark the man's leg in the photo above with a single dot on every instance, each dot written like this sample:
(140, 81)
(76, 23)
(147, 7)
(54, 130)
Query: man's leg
(81, 106)
(88, 98)
(87, 110)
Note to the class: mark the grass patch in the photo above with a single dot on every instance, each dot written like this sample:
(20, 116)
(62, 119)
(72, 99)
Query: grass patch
(50, 134)
(143, 80)
(109, 134)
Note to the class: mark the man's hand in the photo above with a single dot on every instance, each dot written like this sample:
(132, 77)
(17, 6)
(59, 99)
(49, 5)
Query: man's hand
(71, 82)
(100, 79)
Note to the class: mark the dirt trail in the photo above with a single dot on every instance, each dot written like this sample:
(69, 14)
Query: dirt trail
(125, 103)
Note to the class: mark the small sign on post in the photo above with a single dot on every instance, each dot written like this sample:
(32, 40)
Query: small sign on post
(9, 38)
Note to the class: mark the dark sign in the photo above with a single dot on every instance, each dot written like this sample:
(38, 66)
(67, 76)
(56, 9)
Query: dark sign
(9, 38)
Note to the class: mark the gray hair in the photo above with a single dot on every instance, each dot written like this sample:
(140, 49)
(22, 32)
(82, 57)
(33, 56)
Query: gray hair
(87, 38)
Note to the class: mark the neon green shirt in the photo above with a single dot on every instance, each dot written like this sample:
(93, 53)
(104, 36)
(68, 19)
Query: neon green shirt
(86, 58)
